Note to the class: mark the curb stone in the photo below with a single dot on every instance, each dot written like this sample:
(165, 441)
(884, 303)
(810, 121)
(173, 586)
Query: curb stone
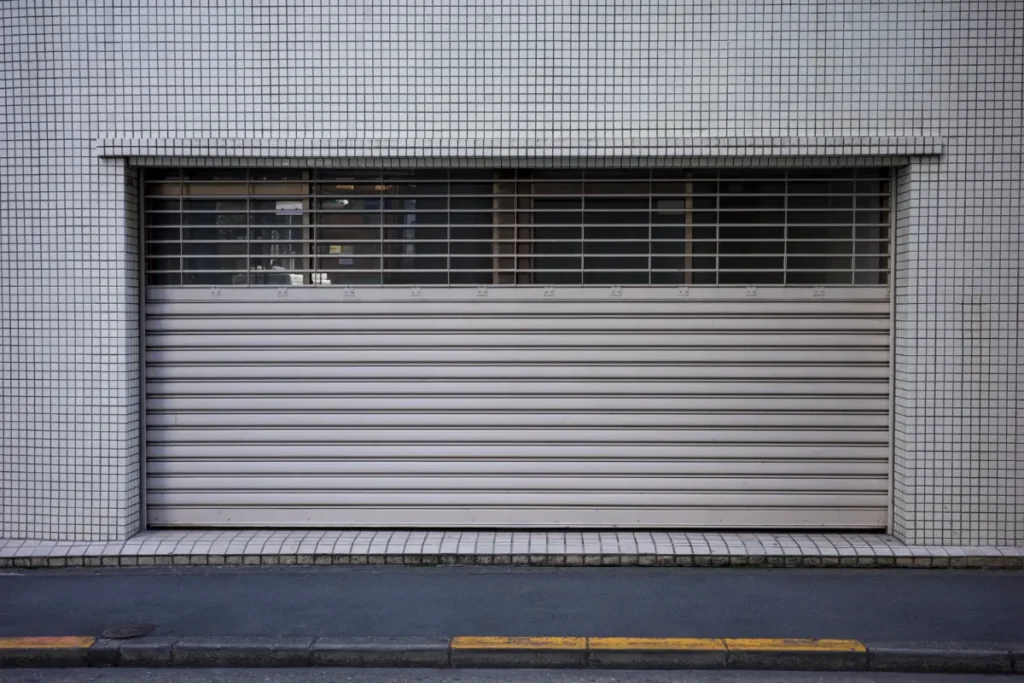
(657, 653)
(45, 652)
(104, 652)
(798, 661)
(519, 659)
(30, 658)
(796, 655)
(1017, 655)
(499, 652)
(148, 651)
(241, 651)
(931, 657)
(397, 652)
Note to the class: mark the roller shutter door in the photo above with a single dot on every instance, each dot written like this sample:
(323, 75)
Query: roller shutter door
(554, 378)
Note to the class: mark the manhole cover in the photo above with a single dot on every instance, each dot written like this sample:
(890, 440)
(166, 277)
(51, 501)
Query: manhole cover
(129, 631)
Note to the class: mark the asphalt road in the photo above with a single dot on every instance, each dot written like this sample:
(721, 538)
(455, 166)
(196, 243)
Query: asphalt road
(445, 601)
(464, 676)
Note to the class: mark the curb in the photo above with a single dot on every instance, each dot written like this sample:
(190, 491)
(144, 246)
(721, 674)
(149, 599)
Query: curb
(510, 653)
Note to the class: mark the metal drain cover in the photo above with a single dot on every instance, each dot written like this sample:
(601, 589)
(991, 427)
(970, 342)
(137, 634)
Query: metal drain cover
(129, 631)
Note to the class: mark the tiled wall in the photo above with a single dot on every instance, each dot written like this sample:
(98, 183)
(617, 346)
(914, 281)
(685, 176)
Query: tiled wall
(517, 76)
(959, 425)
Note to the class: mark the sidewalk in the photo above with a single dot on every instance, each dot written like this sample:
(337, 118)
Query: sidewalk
(470, 616)
(625, 548)
(394, 601)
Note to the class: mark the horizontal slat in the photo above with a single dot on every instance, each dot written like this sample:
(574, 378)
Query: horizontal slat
(339, 467)
(533, 189)
(675, 245)
(324, 420)
(520, 372)
(342, 406)
(868, 514)
(228, 498)
(497, 300)
(483, 387)
(511, 340)
(362, 178)
(417, 325)
(472, 486)
(528, 451)
(293, 314)
(595, 356)
(581, 435)
(392, 204)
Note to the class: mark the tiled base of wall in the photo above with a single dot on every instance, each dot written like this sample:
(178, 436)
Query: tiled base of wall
(296, 547)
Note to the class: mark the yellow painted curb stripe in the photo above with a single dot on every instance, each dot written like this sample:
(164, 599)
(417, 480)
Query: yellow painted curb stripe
(667, 644)
(47, 643)
(657, 644)
(502, 643)
(794, 645)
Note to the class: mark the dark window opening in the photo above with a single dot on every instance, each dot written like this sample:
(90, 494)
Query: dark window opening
(294, 227)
